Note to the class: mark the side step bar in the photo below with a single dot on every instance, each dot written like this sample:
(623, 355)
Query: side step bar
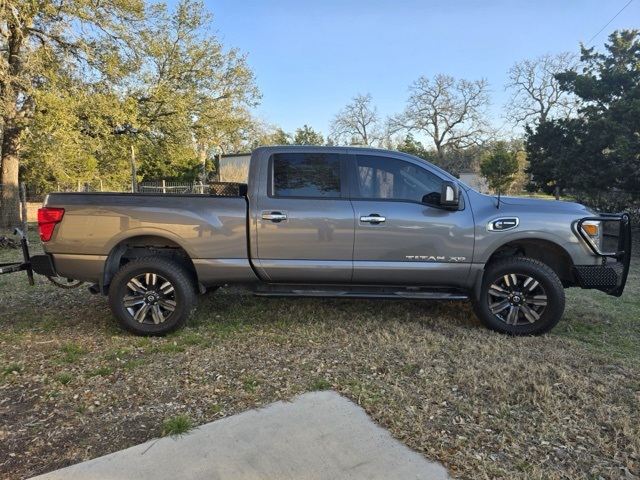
(359, 292)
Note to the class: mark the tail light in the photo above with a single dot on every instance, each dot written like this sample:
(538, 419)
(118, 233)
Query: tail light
(48, 218)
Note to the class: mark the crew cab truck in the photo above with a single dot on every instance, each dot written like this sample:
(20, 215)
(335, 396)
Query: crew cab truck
(333, 221)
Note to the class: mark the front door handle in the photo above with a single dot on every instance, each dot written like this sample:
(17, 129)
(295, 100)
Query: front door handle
(274, 216)
(374, 218)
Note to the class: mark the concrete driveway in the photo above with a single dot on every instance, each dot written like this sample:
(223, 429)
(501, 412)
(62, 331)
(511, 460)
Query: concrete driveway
(318, 435)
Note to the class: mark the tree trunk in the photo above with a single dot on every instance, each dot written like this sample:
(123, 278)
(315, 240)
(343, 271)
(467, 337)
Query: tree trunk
(10, 196)
(12, 131)
(202, 156)
(9, 186)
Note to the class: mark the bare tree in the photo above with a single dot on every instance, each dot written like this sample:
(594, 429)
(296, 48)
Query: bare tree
(358, 123)
(536, 94)
(451, 112)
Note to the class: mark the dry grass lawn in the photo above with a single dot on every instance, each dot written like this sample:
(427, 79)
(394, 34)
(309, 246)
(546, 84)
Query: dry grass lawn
(565, 405)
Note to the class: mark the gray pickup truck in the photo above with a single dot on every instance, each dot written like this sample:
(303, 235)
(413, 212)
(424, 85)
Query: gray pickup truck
(340, 222)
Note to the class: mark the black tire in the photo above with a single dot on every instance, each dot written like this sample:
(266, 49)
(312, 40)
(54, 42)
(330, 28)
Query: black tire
(152, 296)
(520, 296)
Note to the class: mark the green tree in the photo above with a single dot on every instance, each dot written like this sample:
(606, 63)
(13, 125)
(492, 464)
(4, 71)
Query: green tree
(263, 134)
(194, 96)
(307, 136)
(413, 147)
(82, 83)
(71, 138)
(92, 37)
(599, 151)
(280, 137)
(499, 167)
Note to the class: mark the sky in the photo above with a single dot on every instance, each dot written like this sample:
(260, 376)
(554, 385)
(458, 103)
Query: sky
(311, 57)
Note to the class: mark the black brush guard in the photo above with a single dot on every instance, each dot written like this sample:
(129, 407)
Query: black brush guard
(611, 276)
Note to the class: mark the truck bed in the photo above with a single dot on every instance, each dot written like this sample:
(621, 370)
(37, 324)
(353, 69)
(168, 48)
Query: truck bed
(209, 229)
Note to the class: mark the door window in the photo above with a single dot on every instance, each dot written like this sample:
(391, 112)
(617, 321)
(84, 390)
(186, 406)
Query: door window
(393, 179)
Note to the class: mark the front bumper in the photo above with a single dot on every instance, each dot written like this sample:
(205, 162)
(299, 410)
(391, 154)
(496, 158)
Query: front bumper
(611, 276)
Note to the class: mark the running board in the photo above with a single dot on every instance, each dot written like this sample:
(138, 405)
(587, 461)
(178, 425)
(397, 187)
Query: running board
(359, 292)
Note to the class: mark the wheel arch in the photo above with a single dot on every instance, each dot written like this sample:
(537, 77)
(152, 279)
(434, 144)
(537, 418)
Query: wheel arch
(545, 251)
(140, 246)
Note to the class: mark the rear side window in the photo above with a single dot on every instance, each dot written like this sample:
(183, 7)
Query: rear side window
(315, 175)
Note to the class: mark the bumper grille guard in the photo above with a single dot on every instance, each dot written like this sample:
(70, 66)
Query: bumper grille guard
(616, 244)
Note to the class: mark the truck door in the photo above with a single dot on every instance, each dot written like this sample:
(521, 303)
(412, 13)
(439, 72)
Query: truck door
(305, 220)
(402, 235)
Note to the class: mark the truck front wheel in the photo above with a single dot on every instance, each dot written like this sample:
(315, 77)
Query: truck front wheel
(152, 296)
(520, 296)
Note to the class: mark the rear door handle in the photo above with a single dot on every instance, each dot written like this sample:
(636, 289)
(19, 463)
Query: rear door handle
(274, 216)
(374, 218)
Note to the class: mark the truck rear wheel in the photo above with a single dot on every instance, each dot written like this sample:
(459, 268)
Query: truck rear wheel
(520, 296)
(152, 296)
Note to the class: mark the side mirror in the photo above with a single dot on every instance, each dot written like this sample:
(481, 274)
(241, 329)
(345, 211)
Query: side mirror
(450, 195)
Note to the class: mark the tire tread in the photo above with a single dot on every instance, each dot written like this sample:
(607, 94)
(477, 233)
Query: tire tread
(541, 272)
(180, 277)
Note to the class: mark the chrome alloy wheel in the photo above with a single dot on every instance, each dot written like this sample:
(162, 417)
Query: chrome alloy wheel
(517, 299)
(151, 298)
